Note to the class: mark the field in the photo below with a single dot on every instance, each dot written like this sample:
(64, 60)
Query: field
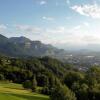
(11, 91)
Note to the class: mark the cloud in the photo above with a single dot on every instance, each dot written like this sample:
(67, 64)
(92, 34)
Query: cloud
(77, 27)
(48, 18)
(56, 30)
(43, 2)
(86, 24)
(28, 29)
(88, 10)
(90, 39)
(76, 35)
(3, 27)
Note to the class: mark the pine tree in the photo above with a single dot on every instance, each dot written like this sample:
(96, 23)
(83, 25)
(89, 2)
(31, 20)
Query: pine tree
(34, 84)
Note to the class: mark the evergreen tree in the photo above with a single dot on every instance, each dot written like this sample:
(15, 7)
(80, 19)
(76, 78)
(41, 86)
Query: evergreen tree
(62, 93)
(34, 84)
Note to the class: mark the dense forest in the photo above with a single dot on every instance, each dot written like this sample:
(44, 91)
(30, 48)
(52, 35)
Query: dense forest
(58, 80)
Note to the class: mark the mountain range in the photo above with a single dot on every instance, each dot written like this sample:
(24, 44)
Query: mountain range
(24, 47)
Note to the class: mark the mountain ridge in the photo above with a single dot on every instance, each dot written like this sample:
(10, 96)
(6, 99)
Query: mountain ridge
(22, 46)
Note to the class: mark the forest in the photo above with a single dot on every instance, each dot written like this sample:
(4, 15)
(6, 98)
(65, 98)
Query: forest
(51, 77)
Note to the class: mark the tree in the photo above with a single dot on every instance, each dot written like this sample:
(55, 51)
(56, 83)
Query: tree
(72, 77)
(27, 84)
(34, 84)
(81, 90)
(94, 92)
(30, 84)
(93, 76)
(2, 77)
(62, 93)
(42, 80)
(45, 90)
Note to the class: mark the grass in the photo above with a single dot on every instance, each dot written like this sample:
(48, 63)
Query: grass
(11, 91)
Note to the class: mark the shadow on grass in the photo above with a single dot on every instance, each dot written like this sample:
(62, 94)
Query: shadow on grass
(28, 97)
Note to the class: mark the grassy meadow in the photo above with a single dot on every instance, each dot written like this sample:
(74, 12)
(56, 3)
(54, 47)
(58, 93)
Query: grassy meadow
(11, 91)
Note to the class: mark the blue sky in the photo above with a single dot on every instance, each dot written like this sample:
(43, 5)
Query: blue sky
(58, 22)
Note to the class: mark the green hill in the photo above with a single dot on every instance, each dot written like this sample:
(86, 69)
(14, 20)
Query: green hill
(11, 91)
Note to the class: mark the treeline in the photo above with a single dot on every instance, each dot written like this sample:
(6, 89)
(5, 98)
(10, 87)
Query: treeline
(52, 77)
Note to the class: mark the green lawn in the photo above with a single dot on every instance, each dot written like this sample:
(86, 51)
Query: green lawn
(11, 91)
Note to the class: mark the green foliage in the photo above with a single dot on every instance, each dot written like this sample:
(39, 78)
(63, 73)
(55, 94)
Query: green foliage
(72, 77)
(45, 90)
(94, 92)
(42, 80)
(2, 77)
(30, 84)
(62, 93)
(27, 84)
(34, 84)
(81, 91)
(93, 76)
(53, 76)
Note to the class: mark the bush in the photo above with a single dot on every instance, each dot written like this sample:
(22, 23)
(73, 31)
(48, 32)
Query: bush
(45, 90)
(34, 84)
(81, 91)
(27, 84)
(62, 93)
(72, 77)
(2, 77)
(30, 84)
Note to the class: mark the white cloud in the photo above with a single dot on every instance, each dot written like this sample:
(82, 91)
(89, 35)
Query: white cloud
(56, 30)
(3, 27)
(28, 29)
(43, 2)
(77, 27)
(88, 10)
(48, 18)
(91, 39)
(86, 24)
(77, 35)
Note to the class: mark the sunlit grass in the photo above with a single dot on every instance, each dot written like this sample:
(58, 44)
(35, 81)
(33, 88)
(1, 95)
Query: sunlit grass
(11, 91)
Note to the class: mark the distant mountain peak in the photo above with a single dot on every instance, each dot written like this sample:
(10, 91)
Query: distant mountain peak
(3, 38)
(21, 39)
(22, 46)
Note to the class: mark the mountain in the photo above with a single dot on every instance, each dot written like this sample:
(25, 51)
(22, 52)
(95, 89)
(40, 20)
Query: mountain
(3, 39)
(22, 46)
(21, 39)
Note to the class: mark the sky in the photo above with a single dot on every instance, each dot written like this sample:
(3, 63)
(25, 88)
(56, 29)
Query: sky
(57, 22)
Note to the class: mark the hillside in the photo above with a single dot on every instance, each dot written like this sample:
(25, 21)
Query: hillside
(12, 91)
(46, 76)
(24, 47)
